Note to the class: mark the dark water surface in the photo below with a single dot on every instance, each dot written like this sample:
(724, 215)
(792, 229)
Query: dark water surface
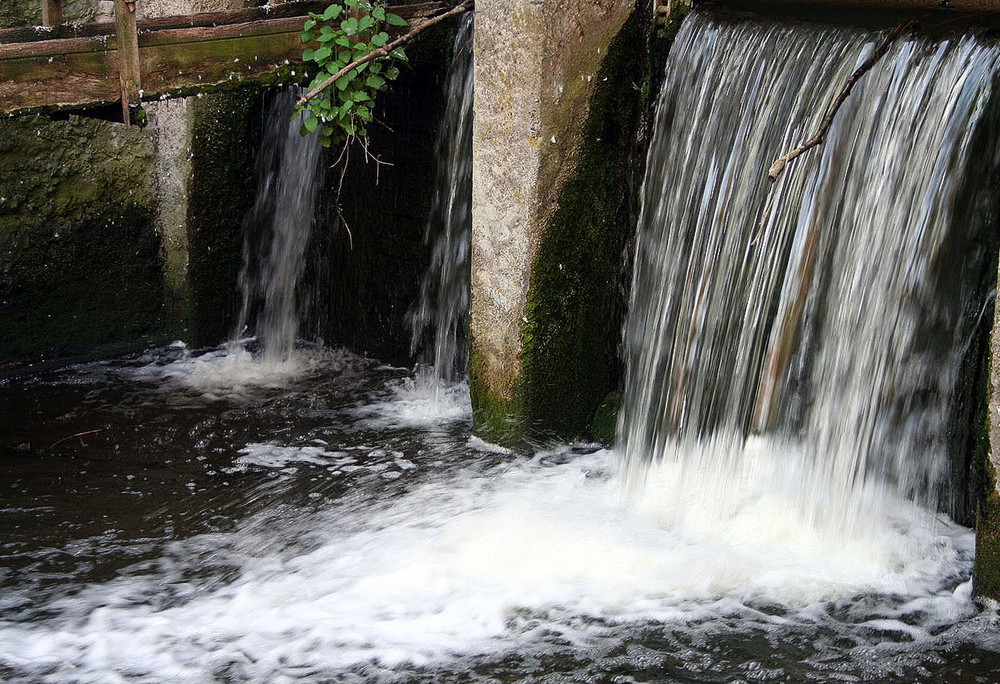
(332, 520)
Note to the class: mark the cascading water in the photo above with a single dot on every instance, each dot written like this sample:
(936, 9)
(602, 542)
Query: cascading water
(792, 349)
(440, 319)
(276, 232)
(298, 530)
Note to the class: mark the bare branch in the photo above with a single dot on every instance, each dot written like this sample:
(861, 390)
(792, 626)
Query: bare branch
(781, 162)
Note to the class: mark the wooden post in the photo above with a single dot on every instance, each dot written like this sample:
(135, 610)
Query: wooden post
(127, 37)
(51, 12)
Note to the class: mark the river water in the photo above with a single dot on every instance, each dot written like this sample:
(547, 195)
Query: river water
(311, 515)
(325, 519)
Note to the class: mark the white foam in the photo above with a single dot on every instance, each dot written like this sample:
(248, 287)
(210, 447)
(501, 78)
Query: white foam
(420, 401)
(233, 372)
(480, 563)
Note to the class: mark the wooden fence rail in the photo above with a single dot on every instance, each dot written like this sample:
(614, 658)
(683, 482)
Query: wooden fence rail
(64, 67)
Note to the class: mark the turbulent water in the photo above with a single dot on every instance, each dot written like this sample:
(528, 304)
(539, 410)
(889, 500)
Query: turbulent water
(192, 517)
(440, 319)
(276, 232)
(795, 347)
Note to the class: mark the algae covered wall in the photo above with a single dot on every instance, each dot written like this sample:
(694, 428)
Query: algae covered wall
(559, 100)
(986, 574)
(226, 134)
(80, 260)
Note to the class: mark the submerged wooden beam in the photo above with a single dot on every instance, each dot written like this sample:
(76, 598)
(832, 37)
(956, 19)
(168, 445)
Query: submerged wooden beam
(74, 67)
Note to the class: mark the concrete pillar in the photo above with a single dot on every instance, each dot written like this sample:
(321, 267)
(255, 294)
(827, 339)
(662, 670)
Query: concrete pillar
(986, 576)
(536, 71)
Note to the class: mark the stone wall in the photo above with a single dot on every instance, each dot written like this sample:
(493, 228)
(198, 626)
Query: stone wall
(94, 216)
(552, 203)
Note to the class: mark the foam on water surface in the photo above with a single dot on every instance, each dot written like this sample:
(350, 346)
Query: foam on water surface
(484, 561)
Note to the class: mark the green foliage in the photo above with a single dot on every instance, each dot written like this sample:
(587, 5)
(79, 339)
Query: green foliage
(347, 32)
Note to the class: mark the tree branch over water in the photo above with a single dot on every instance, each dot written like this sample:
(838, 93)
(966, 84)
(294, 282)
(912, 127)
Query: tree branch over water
(781, 162)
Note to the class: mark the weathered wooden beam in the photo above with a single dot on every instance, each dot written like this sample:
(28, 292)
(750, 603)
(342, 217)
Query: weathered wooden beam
(127, 39)
(51, 12)
(78, 67)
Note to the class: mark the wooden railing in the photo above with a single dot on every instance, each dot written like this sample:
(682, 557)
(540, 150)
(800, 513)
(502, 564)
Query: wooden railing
(75, 66)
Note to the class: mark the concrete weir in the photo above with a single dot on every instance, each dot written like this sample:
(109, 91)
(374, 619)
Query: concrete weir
(538, 68)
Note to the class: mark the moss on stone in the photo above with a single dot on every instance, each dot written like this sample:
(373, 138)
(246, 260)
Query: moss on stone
(986, 576)
(497, 419)
(226, 134)
(575, 303)
(605, 423)
(80, 262)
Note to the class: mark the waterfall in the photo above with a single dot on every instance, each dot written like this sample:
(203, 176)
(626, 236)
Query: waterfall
(797, 346)
(276, 231)
(439, 322)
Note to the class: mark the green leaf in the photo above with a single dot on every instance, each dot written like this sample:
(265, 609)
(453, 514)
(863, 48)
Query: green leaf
(376, 67)
(345, 57)
(325, 141)
(349, 127)
(400, 55)
(322, 55)
(345, 108)
(394, 19)
(307, 36)
(380, 39)
(392, 73)
(349, 26)
(360, 96)
(365, 113)
(344, 81)
(343, 41)
(379, 13)
(310, 124)
(363, 132)
(332, 12)
(365, 24)
(310, 23)
(351, 3)
(307, 54)
(374, 81)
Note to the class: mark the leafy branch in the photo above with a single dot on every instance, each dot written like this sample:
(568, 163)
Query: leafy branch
(349, 36)
(354, 46)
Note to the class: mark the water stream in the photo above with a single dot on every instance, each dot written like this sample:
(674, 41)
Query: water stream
(177, 517)
(440, 319)
(276, 233)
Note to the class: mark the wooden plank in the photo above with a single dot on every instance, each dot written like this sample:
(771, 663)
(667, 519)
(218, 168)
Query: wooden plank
(127, 37)
(51, 13)
(77, 72)
(30, 34)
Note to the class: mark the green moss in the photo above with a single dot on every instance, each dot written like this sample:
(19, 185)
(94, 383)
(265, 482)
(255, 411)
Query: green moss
(606, 418)
(986, 576)
(575, 303)
(227, 130)
(80, 262)
(497, 419)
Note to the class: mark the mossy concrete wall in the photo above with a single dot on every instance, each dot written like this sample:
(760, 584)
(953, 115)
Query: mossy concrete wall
(986, 575)
(80, 260)
(555, 120)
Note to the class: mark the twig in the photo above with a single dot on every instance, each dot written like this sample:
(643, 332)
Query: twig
(385, 49)
(346, 156)
(79, 434)
(781, 162)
